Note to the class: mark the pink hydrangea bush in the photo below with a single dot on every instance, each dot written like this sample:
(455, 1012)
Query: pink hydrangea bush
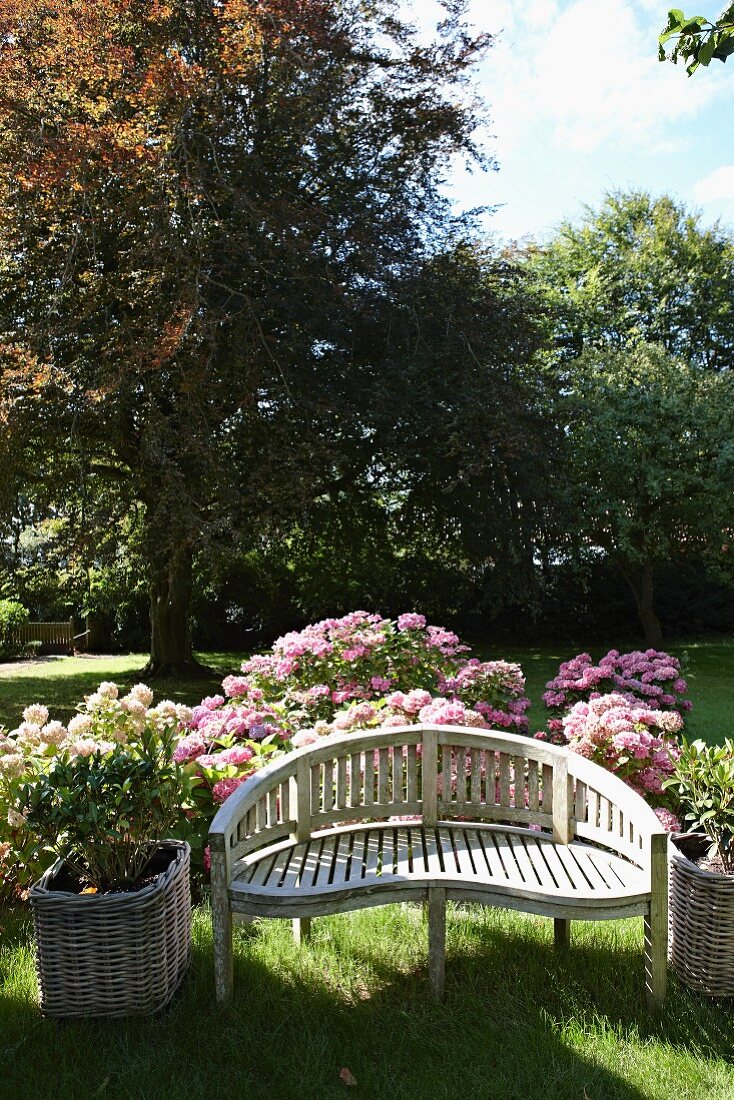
(308, 676)
(360, 656)
(225, 742)
(629, 738)
(652, 676)
(357, 672)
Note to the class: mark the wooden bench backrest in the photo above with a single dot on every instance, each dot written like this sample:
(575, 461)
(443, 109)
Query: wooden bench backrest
(437, 774)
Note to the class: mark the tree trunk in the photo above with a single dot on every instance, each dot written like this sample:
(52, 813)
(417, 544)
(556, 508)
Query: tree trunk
(170, 627)
(640, 580)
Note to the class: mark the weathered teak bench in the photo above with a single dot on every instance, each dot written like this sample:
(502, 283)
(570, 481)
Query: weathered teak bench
(499, 819)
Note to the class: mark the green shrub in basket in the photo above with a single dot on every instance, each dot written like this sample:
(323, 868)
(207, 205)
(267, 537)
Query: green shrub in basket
(704, 783)
(103, 814)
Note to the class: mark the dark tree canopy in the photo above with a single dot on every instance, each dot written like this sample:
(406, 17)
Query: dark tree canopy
(199, 205)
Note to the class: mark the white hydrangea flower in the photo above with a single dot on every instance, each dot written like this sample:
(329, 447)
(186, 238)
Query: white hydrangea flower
(28, 734)
(95, 700)
(53, 733)
(12, 765)
(184, 713)
(133, 706)
(80, 725)
(143, 693)
(36, 714)
(108, 690)
(15, 820)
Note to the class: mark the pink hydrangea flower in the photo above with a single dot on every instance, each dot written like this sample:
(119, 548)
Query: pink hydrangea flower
(225, 787)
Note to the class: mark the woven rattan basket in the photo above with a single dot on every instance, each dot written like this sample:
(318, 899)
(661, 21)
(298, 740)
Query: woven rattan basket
(701, 921)
(113, 954)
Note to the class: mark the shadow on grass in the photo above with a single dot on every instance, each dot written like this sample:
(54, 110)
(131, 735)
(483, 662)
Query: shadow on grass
(518, 1021)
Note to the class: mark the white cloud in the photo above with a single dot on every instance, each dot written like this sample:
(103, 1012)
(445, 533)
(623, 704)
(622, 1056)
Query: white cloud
(716, 186)
(585, 75)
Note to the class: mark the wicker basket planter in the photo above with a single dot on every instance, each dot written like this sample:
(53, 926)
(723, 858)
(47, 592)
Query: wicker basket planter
(113, 954)
(701, 920)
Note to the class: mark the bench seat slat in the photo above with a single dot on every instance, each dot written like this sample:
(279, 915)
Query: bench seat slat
(512, 860)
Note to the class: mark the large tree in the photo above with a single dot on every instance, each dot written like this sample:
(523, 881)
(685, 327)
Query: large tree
(200, 202)
(649, 465)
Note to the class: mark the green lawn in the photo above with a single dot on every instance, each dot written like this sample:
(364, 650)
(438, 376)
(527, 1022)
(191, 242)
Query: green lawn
(519, 1022)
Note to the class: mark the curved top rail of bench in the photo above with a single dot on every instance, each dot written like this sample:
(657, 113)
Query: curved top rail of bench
(584, 772)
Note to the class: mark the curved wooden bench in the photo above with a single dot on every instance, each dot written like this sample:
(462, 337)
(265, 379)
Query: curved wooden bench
(477, 815)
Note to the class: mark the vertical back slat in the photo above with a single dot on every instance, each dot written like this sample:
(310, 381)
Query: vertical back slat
(412, 781)
(490, 777)
(579, 811)
(475, 792)
(593, 808)
(446, 754)
(533, 785)
(273, 807)
(547, 789)
(328, 787)
(383, 776)
(341, 782)
(605, 814)
(616, 821)
(504, 779)
(369, 777)
(397, 774)
(355, 779)
(315, 789)
(460, 774)
(518, 768)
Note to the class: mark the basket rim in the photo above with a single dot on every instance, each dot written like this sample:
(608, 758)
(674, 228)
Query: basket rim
(715, 877)
(41, 889)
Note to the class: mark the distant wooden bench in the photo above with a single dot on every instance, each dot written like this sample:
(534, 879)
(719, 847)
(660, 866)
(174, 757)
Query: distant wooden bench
(498, 819)
(51, 636)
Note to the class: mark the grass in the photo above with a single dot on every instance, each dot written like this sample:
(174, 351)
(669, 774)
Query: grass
(61, 682)
(520, 1021)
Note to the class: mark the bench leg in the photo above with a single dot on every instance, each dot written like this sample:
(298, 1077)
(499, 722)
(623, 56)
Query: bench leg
(223, 959)
(437, 939)
(562, 932)
(656, 924)
(301, 929)
(656, 965)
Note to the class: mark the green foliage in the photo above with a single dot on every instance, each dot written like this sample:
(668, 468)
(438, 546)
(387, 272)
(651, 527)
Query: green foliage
(704, 783)
(102, 813)
(696, 39)
(12, 616)
(641, 270)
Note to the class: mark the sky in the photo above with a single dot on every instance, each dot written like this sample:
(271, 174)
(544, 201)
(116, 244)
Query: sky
(578, 105)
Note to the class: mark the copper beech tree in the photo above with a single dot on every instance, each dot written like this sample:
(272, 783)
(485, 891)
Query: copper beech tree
(199, 201)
